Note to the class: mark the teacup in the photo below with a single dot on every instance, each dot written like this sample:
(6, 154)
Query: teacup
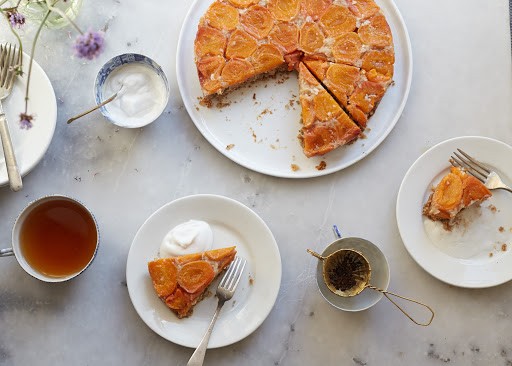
(54, 239)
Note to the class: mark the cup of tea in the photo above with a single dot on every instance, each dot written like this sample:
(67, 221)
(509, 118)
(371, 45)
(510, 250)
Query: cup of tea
(54, 239)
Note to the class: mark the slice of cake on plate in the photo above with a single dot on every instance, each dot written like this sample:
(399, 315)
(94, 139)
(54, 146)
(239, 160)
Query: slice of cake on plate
(456, 191)
(181, 282)
(325, 126)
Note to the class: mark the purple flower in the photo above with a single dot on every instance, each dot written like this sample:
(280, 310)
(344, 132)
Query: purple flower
(16, 19)
(89, 45)
(26, 121)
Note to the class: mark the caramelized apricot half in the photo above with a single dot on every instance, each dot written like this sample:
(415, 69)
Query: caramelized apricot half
(285, 36)
(325, 107)
(381, 61)
(366, 95)
(242, 3)
(222, 16)
(315, 8)
(257, 21)
(266, 58)
(179, 301)
(209, 69)
(448, 193)
(240, 44)
(338, 20)
(236, 71)
(311, 37)
(357, 115)
(184, 259)
(341, 80)
(284, 10)
(164, 275)
(223, 256)
(195, 276)
(363, 8)
(347, 48)
(209, 41)
(375, 32)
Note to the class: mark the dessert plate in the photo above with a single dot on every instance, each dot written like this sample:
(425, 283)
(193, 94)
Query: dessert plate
(476, 253)
(258, 124)
(232, 224)
(30, 145)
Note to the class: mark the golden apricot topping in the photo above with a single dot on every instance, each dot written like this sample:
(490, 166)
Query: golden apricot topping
(363, 8)
(266, 58)
(357, 115)
(448, 193)
(317, 67)
(375, 32)
(257, 21)
(311, 38)
(164, 275)
(209, 41)
(338, 20)
(284, 10)
(222, 16)
(341, 79)
(242, 3)
(315, 8)
(366, 95)
(286, 36)
(236, 71)
(381, 61)
(209, 69)
(347, 48)
(195, 276)
(325, 107)
(240, 44)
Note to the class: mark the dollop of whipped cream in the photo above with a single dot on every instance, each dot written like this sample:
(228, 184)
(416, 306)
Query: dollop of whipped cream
(189, 237)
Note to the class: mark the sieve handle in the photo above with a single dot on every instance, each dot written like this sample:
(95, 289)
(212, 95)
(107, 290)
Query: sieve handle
(315, 254)
(388, 294)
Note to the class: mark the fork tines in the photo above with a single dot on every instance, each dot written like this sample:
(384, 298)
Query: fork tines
(470, 164)
(233, 274)
(10, 59)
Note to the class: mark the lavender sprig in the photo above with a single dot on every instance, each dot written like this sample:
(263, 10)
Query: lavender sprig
(89, 45)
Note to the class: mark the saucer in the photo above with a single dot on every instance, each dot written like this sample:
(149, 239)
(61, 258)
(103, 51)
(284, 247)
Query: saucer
(379, 275)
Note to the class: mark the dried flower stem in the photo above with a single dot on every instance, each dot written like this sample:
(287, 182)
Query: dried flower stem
(51, 7)
(32, 57)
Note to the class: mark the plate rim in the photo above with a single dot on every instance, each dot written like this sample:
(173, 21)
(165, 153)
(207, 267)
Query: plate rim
(26, 169)
(295, 175)
(276, 253)
(414, 255)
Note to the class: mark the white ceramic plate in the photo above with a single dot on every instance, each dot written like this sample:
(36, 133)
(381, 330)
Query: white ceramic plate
(232, 224)
(30, 145)
(263, 131)
(468, 262)
(379, 275)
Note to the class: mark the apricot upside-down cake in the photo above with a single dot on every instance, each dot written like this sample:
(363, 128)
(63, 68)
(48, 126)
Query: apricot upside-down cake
(346, 44)
(181, 282)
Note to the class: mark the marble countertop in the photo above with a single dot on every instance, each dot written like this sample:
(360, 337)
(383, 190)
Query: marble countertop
(462, 85)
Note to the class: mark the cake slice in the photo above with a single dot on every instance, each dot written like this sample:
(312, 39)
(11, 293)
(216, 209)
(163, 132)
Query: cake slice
(456, 191)
(325, 126)
(181, 282)
(351, 87)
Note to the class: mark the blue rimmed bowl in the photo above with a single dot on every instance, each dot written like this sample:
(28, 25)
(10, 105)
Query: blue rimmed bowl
(113, 64)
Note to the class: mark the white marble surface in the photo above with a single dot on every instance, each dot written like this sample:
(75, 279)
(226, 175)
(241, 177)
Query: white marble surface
(461, 86)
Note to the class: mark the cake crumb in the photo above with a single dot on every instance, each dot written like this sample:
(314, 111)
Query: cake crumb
(490, 254)
(251, 280)
(230, 146)
(501, 229)
(254, 137)
(362, 136)
(492, 208)
(503, 247)
(197, 108)
(295, 167)
(254, 96)
(206, 102)
(321, 166)
(221, 104)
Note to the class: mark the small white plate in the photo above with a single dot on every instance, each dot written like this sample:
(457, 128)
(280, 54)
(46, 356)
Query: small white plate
(459, 264)
(30, 145)
(261, 133)
(379, 275)
(232, 224)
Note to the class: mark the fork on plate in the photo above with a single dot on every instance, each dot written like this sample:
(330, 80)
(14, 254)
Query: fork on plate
(10, 59)
(487, 176)
(225, 292)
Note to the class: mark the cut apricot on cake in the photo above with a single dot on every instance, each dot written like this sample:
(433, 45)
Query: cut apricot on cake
(209, 70)
(375, 32)
(456, 191)
(257, 21)
(315, 8)
(325, 125)
(222, 16)
(237, 71)
(181, 281)
(284, 10)
(209, 41)
(285, 36)
(347, 48)
(241, 44)
(363, 8)
(379, 64)
(311, 38)
(242, 3)
(338, 20)
(267, 58)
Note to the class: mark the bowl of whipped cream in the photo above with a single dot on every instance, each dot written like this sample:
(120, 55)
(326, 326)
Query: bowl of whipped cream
(140, 86)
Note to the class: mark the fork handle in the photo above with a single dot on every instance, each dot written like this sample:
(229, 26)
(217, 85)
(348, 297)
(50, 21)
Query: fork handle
(197, 357)
(10, 160)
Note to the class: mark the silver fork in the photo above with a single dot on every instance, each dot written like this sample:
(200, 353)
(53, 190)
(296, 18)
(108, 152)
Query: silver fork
(225, 291)
(10, 58)
(487, 176)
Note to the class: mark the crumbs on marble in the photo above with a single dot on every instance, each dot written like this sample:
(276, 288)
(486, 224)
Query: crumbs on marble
(501, 229)
(321, 166)
(230, 146)
(503, 247)
(436, 356)
(294, 167)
